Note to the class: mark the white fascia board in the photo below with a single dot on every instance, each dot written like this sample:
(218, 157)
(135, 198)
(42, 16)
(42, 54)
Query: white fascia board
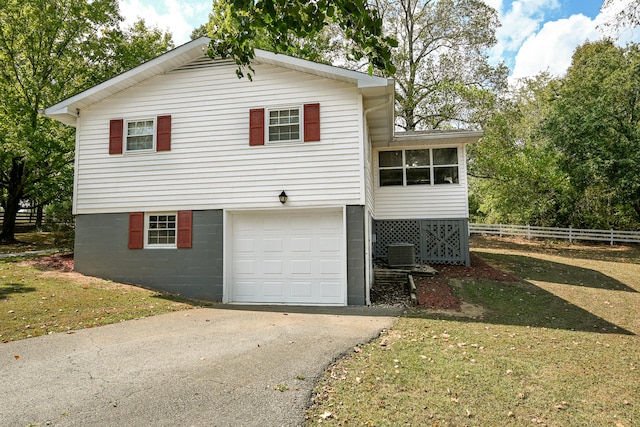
(322, 70)
(458, 136)
(158, 65)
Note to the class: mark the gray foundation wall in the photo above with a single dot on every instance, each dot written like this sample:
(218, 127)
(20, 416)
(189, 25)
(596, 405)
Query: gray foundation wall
(356, 294)
(101, 251)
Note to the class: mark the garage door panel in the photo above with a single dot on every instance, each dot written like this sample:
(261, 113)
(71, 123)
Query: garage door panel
(330, 289)
(272, 266)
(301, 266)
(329, 244)
(295, 257)
(330, 267)
(272, 289)
(301, 244)
(244, 289)
(245, 245)
(301, 289)
(244, 266)
(272, 245)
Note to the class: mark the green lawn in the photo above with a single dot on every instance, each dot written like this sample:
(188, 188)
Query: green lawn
(557, 348)
(37, 301)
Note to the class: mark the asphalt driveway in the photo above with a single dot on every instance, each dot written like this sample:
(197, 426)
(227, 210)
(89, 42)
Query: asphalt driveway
(202, 367)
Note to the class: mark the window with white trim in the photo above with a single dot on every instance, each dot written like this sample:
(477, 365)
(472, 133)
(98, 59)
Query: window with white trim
(426, 166)
(284, 125)
(161, 230)
(140, 135)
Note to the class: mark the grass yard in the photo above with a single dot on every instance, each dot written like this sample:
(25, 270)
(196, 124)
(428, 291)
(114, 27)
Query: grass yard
(35, 300)
(559, 347)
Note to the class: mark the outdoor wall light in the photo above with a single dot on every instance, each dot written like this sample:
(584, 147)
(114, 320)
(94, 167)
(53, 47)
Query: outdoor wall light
(283, 197)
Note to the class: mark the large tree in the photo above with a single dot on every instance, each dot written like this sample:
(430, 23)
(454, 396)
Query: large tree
(628, 16)
(444, 78)
(594, 122)
(49, 50)
(514, 173)
(320, 48)
(289, 20)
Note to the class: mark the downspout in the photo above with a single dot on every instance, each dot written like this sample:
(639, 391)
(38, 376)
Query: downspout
(368, 218)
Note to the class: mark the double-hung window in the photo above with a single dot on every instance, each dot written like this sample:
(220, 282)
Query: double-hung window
(145, 135)
(140, 135)
(161, 230)
(427, 166)
(284, 125)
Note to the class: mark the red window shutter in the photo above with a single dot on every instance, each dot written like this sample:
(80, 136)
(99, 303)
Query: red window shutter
(256, 126)
(184, 229)
(136, 230)
(163, 133)
(311, 122)
(115, 136)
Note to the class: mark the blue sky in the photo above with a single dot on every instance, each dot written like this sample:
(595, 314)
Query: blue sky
(536, 35)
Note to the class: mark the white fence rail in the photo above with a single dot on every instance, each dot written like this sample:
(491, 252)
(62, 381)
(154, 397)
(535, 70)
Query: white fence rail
(571, 234)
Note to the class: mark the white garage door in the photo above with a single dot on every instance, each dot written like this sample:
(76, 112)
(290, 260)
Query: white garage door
(288, 258)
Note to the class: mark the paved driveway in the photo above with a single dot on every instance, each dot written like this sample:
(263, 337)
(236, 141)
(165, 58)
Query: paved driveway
(202, 367)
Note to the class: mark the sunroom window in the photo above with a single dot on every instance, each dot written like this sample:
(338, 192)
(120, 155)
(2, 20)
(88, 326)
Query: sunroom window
(418, 167)
(445, 165)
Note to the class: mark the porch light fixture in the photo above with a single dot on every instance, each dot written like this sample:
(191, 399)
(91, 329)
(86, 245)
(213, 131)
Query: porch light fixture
(283, 197)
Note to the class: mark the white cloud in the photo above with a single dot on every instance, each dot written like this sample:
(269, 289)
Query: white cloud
(519, 21)
(179, 17)
(552, 47)
(529, 44)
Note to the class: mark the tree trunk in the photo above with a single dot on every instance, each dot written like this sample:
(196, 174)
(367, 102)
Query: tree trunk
(12, 205)
(39, 216)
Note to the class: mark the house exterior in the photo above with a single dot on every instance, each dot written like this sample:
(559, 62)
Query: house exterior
(279, 190)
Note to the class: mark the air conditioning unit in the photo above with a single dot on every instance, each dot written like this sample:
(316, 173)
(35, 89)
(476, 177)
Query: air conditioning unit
(400, 255)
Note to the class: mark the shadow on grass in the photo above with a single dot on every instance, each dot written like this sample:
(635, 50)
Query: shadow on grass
(522, 304)
(8, 289)
(530, 268)
(625, 253)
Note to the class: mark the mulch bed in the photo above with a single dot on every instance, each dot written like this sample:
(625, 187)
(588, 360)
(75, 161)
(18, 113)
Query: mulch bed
(433, 292)
(60, 262)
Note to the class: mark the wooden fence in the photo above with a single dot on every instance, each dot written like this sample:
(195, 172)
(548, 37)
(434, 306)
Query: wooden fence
(571, 234)
(23, 218)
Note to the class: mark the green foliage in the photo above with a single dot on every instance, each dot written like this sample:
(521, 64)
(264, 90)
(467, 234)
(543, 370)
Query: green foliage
(60, 220)
(565, 152)
(238, 25)
(317, 48)
(515, 176)
(594, 123)
(50, 50)
(444, 77)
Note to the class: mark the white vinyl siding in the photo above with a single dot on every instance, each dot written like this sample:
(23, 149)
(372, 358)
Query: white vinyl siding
(211, 165)
(422, 201)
